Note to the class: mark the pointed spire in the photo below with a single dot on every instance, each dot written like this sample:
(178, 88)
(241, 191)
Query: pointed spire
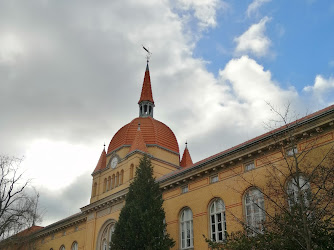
(101, 164)
(138, 143)
(146, 92)
(146, 103)
(186, 158)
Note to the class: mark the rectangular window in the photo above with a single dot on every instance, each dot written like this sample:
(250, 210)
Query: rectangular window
(184, 189)
(214, 179)
(249, 166)
(292, 151)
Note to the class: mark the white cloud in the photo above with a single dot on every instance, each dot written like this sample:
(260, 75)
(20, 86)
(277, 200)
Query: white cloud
(254, 40)
(254, 6)
(322, 90)
(205, 11)
(11, 47)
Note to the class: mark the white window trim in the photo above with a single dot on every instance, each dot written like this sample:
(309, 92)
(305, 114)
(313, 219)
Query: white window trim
(216, 213)
(251, 163)
(292, 151)
(254, 222)
(292, 189)
(184, 189)
(184, 225)
(212, 177)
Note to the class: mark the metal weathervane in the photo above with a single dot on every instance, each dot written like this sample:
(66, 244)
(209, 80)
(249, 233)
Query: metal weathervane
(148, 55)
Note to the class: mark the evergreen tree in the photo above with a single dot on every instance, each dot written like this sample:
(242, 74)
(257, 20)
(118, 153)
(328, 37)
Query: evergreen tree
(141, 223)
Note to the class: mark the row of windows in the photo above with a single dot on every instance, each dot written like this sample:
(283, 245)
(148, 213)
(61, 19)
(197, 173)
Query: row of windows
(253, 204)
(113, 181)
(73, 247)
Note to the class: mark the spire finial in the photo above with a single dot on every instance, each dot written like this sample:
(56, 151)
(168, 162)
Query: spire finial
(104, 146)
(186, 144)
(148, 55)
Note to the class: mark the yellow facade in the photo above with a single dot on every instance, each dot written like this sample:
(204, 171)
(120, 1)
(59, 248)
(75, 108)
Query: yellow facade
(224, 176)
(232, 182)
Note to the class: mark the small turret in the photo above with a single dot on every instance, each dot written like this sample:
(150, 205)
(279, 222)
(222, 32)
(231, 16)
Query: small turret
(186, 158)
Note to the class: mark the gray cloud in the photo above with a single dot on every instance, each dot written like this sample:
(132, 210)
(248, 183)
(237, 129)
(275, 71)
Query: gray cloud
(56, 205)
(72, 71)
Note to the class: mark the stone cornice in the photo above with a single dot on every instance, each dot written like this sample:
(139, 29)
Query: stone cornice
(106, 201)
(255, 148)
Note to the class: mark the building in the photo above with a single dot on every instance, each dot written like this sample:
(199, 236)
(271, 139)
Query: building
(204, 198)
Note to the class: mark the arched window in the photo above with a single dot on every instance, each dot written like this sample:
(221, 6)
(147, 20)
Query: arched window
(117, 179)
(131, 171)
(94, 189)
(105, 234)
(186, 229)
(74, 246)
(294, 185)
(62, 247)
(217, 220)
(121, 177)
(254, 210)
(113, 181)
(105, 185)
(109, 183)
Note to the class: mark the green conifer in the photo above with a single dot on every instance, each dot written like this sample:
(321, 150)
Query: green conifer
(141, 224)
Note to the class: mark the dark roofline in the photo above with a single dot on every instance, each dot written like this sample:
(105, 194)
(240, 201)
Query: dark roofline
(299, 122)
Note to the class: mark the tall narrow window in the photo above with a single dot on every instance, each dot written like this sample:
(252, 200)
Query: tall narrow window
(109, 183)
(186, 229)
(131, 171)
(94, 189)
(117, 179)
(121, 177)
(254, 210)
(62, 247)
(217, 220)
(74, 246)
(293, 191)
(113, 181)
(105, 185)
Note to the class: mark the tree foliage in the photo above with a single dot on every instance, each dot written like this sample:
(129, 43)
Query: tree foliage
(141, 223)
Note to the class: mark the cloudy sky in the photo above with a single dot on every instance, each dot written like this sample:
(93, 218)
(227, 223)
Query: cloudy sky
(71, 74)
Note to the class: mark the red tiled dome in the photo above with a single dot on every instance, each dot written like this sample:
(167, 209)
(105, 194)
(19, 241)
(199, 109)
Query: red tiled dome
(153, 132)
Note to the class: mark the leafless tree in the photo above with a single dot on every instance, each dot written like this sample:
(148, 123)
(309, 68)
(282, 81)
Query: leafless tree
(298, 191)
(18, 209)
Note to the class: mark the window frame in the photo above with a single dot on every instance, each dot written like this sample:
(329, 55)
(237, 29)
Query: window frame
(184, 189)
(186, 224)
(291, 187)
(75, 246)
(248, 164)
(289, 152)
(256, 214)
(213, 177)
(215, 224)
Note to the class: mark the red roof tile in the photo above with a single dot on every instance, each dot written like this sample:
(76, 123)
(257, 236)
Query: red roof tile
(29, 231)
(186, 159)
(138, 143)
(146, 92)
(101, 164)
(152, 131)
